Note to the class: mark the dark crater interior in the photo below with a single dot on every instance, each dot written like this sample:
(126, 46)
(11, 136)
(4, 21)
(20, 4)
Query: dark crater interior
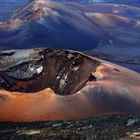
(64, 71)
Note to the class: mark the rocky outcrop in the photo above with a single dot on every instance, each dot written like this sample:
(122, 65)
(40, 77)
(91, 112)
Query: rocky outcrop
(102, 128)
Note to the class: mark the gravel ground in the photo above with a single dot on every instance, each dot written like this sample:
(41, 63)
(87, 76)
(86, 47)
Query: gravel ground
(101, 128)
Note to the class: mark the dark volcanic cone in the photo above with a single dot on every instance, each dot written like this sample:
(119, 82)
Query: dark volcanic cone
(33, 70)
(50, 84)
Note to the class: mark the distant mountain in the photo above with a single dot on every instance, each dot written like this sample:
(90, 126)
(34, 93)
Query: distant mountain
(102, 30)
(16, 1)
(129, 2)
